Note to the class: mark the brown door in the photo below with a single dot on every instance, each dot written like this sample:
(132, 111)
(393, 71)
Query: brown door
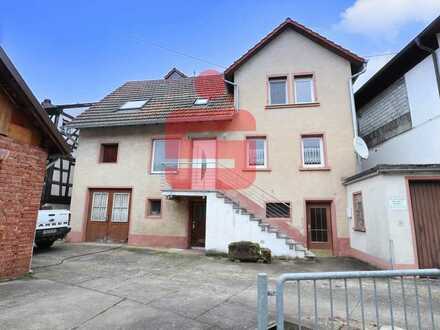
(319, 233)
(108, 215)
(198, 223)
(425, 201)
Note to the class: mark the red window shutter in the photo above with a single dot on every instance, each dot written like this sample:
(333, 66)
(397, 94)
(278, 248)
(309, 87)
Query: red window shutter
(109, 153)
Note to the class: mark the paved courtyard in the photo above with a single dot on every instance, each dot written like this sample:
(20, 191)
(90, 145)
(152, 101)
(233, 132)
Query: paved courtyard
(89, 286)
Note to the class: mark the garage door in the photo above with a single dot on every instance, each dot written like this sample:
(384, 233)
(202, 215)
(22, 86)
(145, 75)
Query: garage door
(108, 215)
(425, 200)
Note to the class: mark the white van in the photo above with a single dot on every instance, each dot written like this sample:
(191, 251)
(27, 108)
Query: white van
(51, 225)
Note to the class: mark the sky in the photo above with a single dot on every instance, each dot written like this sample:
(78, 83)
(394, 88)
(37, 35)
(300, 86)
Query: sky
(79, 51)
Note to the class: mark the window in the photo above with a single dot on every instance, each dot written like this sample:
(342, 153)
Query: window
(132, 105)
(201, 101)
(99, 206)
(313, 151)
(358, 212)
(120, 207)
(165, 156)
(109, 153)
(304, 89)
(278, 90)
(154, 207)
(257, 152)
(277, 210)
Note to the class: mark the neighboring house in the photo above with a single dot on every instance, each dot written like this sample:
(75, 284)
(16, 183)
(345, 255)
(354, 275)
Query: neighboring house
(395, 202)
(57, 189)
(257, 153)
(27, 138)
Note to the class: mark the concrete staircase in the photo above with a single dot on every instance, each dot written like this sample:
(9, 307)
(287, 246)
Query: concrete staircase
(274, 238)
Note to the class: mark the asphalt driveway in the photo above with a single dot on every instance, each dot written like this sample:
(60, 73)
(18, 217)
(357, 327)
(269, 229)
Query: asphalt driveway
(82, 286)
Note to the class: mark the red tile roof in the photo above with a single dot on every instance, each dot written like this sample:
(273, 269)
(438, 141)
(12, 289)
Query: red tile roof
(356, 60)
(168, 101)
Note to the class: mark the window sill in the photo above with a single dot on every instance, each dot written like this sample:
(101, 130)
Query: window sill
(305, 169)
(292, 105)
(250, 169)
(153, 217)
(164, 173)
(279, 218)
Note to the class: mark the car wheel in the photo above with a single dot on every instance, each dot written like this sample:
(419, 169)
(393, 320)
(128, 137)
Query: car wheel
(44, 244)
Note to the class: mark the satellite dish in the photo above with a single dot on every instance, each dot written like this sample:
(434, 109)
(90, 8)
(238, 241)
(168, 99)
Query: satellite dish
(360, 147)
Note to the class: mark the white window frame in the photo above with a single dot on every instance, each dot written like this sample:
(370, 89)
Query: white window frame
(93, 205)
(248, 139)
(153, 151)
(321, 148)
(286, 94)
(312, 88)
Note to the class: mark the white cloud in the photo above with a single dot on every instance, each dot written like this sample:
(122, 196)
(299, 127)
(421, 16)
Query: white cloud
(385, 18)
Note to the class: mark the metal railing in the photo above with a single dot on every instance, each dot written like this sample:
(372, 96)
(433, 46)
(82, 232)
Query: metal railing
(233, 184)
(359, 299)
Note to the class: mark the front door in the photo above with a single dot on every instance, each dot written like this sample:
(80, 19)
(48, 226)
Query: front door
(198, 223)
(108, 215)
(204, 164)
(319, 234)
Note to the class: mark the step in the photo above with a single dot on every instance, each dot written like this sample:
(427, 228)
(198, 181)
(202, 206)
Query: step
(220, 195)
(252, 218)
(244, 211)
(235, 206)
(264, 226)
(228, 200)
(309, 254)
(300, 247)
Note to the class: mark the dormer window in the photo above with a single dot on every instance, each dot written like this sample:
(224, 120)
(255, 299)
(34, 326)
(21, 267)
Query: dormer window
(133, 105)
(201, 101)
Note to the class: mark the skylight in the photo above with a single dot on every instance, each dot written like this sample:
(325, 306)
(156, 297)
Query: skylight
(131, 105)
(201, 101)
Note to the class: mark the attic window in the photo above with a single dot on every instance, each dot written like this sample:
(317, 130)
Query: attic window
(131, 105)
(201, 101)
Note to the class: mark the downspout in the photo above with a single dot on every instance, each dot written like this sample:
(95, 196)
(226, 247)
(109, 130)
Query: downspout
(236, 94)
(353, 105)
(434, 59)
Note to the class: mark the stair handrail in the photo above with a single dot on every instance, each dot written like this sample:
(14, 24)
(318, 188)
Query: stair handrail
(272, 197)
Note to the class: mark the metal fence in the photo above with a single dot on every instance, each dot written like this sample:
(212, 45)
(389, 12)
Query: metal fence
(353, 300)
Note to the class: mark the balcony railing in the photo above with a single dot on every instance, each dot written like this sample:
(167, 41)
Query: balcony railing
(210, 176)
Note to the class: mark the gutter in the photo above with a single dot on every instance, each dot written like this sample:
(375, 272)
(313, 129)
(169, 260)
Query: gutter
(236, 93)
(434, 59)
(352, 103)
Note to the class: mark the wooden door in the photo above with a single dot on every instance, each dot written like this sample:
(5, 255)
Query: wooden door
(198, 223)
(319, 224)
(204, 164)
(425, 202)
(108, 215)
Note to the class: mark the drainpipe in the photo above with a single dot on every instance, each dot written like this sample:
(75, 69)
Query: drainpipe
(434, 59)
(353, 105)
(236, 94)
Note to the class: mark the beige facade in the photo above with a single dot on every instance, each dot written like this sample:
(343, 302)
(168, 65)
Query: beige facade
(288, 54)
(291, 54)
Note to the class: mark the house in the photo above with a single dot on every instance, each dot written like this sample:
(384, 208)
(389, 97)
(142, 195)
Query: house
(256, 153)
(57, 189)
(394, 203)
(27, 139)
